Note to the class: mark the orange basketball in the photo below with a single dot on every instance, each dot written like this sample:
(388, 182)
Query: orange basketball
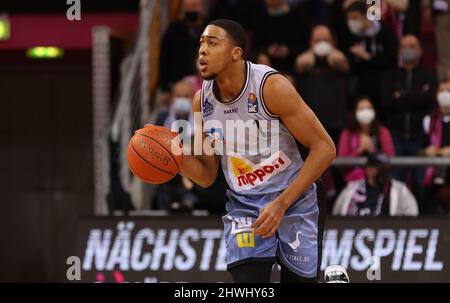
(150, 155)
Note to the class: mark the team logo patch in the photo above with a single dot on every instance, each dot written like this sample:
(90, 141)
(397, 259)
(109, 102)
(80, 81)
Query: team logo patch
(252, 103)
(245, 240)
(208, 108)
(240, 224)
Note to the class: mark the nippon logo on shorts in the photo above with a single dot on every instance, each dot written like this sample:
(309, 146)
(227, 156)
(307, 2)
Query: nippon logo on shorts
(229, 137)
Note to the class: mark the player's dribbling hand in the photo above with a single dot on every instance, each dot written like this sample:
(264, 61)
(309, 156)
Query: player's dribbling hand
(269, 219)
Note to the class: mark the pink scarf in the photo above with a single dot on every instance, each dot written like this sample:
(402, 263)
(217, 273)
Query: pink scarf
(435, 136)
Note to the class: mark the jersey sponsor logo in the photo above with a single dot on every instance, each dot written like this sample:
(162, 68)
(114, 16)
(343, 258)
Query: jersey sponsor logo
(246, 175)
(208, 108)
(252, 104)
(245, 240)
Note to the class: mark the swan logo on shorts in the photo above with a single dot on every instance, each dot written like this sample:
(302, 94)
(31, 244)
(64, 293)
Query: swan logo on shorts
(296, 243)
(246, 175)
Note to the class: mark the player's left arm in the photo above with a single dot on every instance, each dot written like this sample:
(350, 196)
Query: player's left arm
(282, 99)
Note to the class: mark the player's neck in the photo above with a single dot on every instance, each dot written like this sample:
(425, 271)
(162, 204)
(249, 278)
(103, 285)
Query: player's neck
(231, 82)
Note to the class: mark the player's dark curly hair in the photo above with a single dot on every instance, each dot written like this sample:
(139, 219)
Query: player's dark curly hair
(235, 31)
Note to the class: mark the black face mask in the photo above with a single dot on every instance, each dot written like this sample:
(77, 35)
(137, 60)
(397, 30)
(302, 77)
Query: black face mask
(191, 16)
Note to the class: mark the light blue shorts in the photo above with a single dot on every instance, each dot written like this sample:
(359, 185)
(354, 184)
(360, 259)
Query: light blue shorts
(295, 243)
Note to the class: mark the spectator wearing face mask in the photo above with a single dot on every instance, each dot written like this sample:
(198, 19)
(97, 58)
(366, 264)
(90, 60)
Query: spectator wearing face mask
(436, 143)
(408, 94)
(364, 136)
(180, 105)
(324, 66)
(180, 44)
(179, 193)
(371, 48)
(279, 35)
(322, 52)
(377, 194)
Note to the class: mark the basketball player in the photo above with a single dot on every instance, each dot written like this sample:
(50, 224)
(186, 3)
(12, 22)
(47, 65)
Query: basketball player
(272, 209)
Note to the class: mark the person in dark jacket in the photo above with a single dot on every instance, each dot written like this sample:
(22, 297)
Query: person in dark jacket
(180, 43)
(408, 94)
(280, 34)
(371, 48)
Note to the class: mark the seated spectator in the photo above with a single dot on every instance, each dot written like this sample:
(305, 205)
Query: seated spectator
(376, 195)
(364, 136)
(322, 51)
(180, 105)
(324, 66)
(179, 45)
(280, 34)
(371, 48)
(436, 128)
(181, 194)
(408, 94)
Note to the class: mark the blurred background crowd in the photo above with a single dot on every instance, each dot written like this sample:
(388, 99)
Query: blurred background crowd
(376, 74)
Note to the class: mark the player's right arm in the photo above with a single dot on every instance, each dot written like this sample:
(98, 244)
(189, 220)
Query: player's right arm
(202, 169)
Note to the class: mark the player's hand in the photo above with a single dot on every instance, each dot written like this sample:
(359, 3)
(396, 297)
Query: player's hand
(269, 219)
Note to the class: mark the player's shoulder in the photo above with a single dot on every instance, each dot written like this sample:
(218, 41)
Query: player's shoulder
(277, 83)
(196, 101)
(260, 69)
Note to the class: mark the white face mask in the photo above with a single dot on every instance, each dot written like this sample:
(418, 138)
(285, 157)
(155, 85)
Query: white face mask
(182, 105)
(444, 99)
(355, 26)
(365, 116)
(322, 49)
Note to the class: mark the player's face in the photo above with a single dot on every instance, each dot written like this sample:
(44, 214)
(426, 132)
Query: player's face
(215, 52)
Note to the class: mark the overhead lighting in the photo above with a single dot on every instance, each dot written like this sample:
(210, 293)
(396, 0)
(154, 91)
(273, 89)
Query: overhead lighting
(45, 52)
(5, 28)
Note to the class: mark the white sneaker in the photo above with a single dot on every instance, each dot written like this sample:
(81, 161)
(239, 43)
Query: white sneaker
(336, 274)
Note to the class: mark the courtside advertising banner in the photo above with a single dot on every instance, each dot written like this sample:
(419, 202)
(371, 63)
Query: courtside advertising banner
(191, 249)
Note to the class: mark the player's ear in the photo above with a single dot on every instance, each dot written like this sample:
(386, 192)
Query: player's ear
(237, 53)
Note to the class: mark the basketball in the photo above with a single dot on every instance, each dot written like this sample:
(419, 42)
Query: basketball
(150, 155)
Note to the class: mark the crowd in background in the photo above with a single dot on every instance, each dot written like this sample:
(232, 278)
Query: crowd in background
(380, 88)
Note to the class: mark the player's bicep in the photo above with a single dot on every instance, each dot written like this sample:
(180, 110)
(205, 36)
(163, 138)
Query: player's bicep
(282, 99)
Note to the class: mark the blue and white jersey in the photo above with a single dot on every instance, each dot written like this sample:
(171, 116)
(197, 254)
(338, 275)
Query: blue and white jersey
(260, 159)
(258, 153)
